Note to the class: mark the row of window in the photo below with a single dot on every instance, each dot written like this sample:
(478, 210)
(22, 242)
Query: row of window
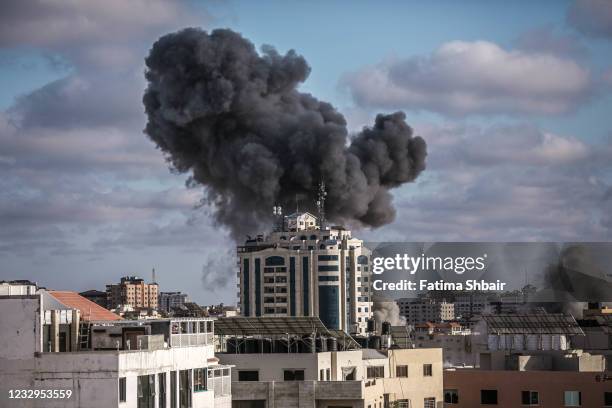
(400, 371)
(195, 380)
(528, 398)
(275, 300)
(278, 310)
(288, 375)
(278, 289)
(325, 374)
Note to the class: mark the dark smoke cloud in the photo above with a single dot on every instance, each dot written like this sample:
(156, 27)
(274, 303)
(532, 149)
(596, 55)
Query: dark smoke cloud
(235, 120)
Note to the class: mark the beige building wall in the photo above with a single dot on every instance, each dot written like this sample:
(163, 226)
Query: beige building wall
(550, 386)
(417, 386)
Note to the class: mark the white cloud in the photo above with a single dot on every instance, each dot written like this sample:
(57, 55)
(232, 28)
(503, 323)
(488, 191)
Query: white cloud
(505, 183)
(478, 77)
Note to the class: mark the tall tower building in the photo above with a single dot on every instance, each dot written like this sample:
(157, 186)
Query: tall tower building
(305, 269)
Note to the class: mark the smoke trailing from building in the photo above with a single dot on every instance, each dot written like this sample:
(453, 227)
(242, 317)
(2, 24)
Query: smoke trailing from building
(235, 120)
(387, 310)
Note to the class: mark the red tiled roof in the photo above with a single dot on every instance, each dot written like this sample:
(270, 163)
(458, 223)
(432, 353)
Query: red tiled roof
(89, 310)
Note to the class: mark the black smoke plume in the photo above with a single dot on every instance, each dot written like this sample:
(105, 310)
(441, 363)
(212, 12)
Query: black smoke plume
(236, 121)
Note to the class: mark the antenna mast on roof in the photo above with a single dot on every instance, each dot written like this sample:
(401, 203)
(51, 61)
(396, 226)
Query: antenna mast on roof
(321, 204)
(153, 276)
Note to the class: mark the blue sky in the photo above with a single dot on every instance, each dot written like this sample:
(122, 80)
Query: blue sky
(521, 154)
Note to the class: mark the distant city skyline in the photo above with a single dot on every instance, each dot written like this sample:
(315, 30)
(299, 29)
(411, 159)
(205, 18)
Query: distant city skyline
(513, 100)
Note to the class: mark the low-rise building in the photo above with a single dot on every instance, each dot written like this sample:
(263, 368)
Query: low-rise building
(18, 287)
(297, 362)
(70, 352)
(542, 379)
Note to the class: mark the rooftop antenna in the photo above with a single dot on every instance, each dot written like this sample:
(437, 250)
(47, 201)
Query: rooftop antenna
(321, 204)
(153, 276)
(297, 204)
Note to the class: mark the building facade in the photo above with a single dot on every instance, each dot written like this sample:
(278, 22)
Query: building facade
(88, 357)
(544, 380)
(17, 287)
(424, 310)
(365, 378)
(302, 269)
(170, 300)
(132, 291)
(468, 305)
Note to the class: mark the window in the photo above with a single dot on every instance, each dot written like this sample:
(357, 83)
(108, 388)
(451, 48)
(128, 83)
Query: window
(608, 399)
(429, 403)
(321, 374)
(199, 379)
(275, 260)
(376, 372)
(161, 381)
(401, 371)
(427, 370)
(328, 257)
(328, 278)
(488, 397)
(328, 374)
(122, 389)
(530, 398)
(145, 390)
(328, 268)
(293, 375)
(451, 396)
(248, 375)
(185, 397)
(573, 398)
(172, 389)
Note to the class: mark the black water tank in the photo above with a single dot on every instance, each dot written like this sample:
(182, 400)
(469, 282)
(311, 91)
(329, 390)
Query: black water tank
(371, 326)
(386, 328)
(332, 344)
(231, 345)
(321, 344)
(307, 345)
(280, 346)
(252, 346)
(266, 345)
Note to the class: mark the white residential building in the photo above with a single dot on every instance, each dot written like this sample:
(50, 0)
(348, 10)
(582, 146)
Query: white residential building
(60, 341)
(303, 269)
(17, 287)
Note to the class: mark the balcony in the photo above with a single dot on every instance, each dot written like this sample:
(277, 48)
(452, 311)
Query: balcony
(191, 339)
(324, 390)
